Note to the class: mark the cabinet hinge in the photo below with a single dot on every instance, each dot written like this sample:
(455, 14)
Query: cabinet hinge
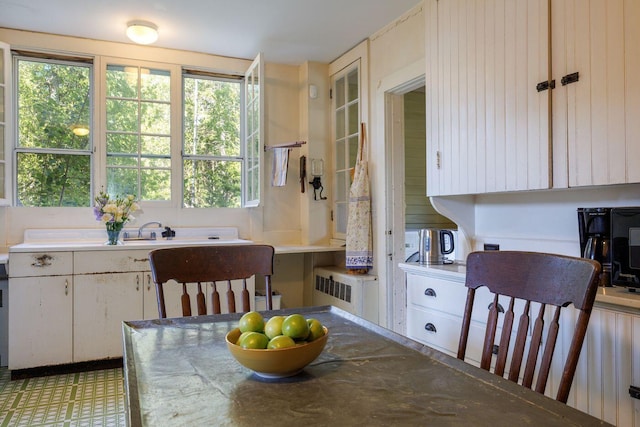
(437, 159)
(331, 215)
(550, 84)
(330, 93)
(570, 78)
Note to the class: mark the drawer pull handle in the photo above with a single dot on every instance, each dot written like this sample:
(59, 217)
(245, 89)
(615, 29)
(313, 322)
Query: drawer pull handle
(500, 308)
(634, 392)
(43, 261)
(430, 292)
(430, 327)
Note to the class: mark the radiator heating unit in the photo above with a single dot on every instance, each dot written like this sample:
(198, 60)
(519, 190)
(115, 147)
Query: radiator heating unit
(355, 293)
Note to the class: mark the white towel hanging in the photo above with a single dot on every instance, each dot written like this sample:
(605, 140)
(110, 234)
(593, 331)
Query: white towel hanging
(280, 166)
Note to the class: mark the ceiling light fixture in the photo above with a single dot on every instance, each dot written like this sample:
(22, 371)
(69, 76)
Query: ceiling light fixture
(80, 130)
(142, 32)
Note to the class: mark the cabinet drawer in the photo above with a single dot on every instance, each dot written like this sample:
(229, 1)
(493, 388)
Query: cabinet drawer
(436, 294)
(40, 264)
(89, 262)
(434, 328)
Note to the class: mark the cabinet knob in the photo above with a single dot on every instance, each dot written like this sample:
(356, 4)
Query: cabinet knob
(499, 308)
(430, 292)
(430, 327)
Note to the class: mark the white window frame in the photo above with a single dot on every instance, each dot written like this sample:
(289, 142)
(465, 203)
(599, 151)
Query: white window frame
(359, 55)
(251, 195)
(6, 104)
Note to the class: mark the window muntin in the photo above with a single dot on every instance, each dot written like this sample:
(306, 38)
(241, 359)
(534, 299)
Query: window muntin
(138, 132)
(53, 161)
(212, 141)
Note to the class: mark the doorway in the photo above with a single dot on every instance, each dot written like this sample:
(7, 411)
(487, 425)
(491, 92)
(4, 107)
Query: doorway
(408, 206)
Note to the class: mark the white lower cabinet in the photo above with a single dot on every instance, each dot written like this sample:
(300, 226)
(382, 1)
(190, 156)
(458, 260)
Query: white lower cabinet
(41, 309)
(40, 331)
(609, 362)
(102, 303)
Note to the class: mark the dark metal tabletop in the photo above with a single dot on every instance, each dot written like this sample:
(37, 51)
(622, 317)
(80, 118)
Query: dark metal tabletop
(178, 372)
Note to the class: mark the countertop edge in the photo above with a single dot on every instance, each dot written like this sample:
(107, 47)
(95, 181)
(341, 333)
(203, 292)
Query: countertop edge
(614, 298)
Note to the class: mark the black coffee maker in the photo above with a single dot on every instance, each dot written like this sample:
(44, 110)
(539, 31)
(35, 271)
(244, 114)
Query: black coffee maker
(594, 225)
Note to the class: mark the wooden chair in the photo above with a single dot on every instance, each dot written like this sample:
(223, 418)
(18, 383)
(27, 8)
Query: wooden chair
(551, 280)
(210, 264)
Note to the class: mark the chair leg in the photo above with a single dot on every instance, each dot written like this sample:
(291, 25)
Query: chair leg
(245, 297)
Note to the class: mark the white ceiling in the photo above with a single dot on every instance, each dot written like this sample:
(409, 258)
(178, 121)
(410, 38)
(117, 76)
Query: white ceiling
(286, 31)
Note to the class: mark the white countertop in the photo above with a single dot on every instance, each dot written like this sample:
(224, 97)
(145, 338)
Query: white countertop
(611, 297)
(58, 240)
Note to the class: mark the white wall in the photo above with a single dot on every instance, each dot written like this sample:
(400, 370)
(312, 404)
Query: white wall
(543, 221)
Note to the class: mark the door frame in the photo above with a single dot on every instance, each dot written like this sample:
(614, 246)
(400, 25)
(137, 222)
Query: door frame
(390, 121)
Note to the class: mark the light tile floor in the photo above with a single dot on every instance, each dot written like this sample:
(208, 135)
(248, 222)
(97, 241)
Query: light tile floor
(93, 398)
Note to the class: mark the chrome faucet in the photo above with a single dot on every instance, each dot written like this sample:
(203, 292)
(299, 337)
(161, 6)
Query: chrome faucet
(153, 233)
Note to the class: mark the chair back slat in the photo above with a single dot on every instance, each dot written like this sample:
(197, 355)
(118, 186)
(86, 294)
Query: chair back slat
(550, 345)
(215, 299)
(505, 339)
(553, 281)
(534, 348)
(186, 301)
(245, 296)
(191, 265)
(490, 335)
(202, 306)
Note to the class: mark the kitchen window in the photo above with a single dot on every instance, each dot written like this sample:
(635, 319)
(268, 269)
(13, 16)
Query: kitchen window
(222, 138)
(53, 146)
(129, 139)
(138, 132)
(212, 149)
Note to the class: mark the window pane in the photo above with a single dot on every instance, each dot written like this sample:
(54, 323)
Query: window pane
(139, 132)
(340, 92)
(2, 194)
(155, 184)
(341, 187)
(340, 155)
(353, 151)
(53, 180)
(212, 183)
(122, 82)
(155, 84)
(53, 98)
(155, 118)
(211, 117)
(340, 121)
(2, 130)
(122, 181)
(341, 217)
(122, 115)
(354, 118)
(122, 143)
(1, 97)
(160, 145)
(353, 85)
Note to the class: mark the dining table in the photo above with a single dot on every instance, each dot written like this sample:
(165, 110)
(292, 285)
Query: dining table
(179, 372)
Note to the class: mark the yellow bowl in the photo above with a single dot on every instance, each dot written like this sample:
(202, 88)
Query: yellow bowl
(279, 362)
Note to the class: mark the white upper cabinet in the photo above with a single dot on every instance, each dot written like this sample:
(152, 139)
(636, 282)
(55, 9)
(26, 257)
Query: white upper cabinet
(596, 119)
(488, 124)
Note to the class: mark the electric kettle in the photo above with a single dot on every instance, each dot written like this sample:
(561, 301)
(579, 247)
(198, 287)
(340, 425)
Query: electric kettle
(433, 245)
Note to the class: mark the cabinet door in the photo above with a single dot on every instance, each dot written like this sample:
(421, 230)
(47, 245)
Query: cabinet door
(492, 123)
(596, 130)
(102, 302)
(40, 322)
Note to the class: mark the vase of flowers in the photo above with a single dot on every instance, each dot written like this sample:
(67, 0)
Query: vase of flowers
(114, 213)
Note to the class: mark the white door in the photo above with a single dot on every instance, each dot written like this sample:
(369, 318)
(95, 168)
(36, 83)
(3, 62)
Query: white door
(102, 302)
(40, 321)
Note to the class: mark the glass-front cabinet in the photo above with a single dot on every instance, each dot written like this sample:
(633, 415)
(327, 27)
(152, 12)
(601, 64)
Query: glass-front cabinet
(346, 134)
